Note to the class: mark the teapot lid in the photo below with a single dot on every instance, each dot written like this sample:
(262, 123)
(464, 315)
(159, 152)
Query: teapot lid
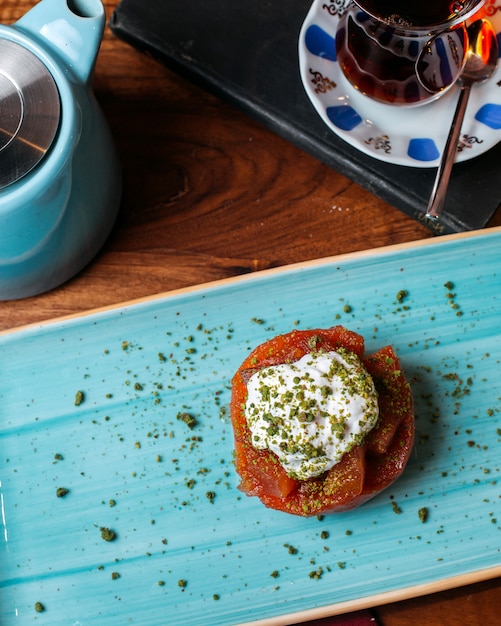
(29, 111)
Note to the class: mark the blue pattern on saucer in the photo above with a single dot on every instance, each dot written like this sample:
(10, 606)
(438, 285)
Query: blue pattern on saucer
(490, 115)
(344, 117)
(423, 150)
(320, 43)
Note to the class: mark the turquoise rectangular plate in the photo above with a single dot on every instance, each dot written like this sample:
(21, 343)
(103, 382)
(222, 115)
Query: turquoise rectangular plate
(94, 404)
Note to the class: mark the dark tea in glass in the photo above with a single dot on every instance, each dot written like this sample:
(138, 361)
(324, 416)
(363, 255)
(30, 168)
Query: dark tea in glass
(404, 53)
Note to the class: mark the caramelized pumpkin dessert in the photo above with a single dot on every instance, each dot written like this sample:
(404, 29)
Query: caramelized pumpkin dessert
(319, 426)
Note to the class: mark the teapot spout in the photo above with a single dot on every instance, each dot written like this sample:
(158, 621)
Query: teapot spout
(73, 29)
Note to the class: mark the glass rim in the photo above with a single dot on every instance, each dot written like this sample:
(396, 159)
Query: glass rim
(474, 6)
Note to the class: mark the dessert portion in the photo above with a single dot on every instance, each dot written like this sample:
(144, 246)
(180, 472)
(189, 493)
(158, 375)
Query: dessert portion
(319, 426)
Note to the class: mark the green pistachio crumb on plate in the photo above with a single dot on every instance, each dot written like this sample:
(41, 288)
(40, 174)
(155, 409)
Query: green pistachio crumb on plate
(402, 295)
(316, 574)
(291, 549)
(107, 534)
(257, 320)
(188, 419)
(396, 508)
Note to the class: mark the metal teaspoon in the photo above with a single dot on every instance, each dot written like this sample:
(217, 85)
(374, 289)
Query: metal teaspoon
(481, 61)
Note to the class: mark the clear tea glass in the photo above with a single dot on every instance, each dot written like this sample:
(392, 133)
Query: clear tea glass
(402, 52)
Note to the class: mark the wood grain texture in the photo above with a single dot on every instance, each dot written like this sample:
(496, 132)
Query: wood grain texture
(208, 194)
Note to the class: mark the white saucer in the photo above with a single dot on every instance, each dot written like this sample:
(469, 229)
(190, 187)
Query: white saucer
(412, 136)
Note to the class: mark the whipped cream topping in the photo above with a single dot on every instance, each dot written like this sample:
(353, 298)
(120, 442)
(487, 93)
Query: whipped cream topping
(311, 412)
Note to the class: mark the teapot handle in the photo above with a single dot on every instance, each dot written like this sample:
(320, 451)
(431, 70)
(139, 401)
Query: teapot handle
(72, 28)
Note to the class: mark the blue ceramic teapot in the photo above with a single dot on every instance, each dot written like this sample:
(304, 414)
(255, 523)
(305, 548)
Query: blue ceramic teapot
(60, 181)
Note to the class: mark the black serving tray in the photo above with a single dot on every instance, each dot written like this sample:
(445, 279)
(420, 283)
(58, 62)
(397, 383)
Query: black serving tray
(246, 52)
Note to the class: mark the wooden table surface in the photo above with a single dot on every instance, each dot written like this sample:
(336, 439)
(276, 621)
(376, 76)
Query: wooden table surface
(208, 194)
